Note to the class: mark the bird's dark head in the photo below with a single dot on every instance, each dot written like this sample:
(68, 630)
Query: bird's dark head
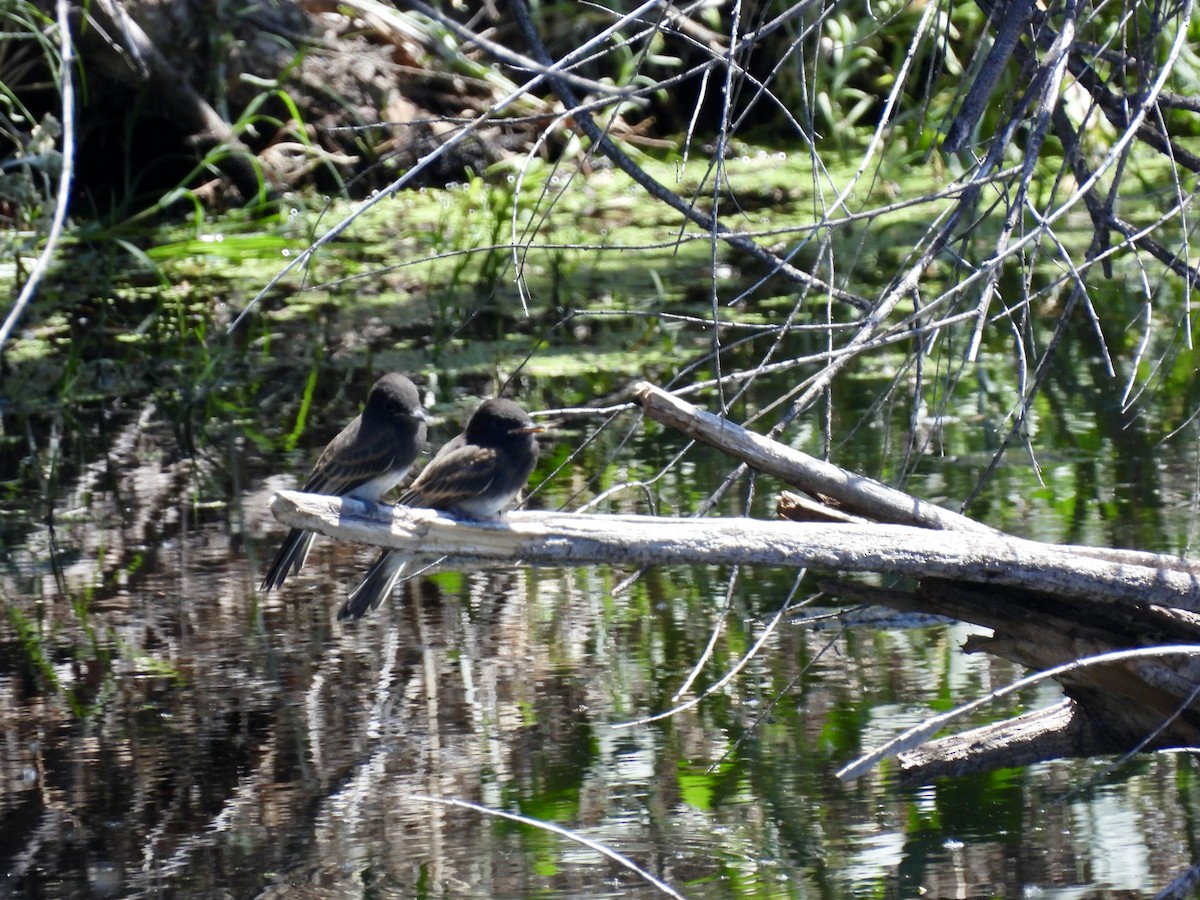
(499, 421)
(395, 397)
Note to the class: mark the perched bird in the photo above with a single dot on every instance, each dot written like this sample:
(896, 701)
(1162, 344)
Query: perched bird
(475, 475)
(366, 460)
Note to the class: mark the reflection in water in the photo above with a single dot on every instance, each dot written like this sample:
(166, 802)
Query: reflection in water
(292, 754)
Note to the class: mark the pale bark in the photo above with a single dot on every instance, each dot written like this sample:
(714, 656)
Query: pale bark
(563, 539)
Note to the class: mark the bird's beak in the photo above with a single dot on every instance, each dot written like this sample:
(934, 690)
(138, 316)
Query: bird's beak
(529, 429)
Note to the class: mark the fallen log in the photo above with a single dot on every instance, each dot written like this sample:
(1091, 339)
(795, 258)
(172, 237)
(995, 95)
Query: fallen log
(1047, 605)
(565, 539)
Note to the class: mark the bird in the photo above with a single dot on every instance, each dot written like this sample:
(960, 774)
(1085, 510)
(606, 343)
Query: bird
(368, 458)
(475, 475)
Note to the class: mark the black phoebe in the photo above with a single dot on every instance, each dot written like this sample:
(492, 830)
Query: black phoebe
(366, 460)
(475, 475)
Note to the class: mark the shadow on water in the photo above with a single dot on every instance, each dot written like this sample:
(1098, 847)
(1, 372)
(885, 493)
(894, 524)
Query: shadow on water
(170, 732)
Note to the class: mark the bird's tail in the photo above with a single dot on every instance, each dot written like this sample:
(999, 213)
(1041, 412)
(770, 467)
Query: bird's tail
(289, 559)
(375, 587)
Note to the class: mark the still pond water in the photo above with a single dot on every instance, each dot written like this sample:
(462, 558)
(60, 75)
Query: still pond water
(169, 732)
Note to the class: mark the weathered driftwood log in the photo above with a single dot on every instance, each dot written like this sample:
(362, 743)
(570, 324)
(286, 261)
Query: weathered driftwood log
(1046, 604)
(564, 539)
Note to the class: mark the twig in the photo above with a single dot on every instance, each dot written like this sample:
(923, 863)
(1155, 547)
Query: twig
(1013, 18)
(63, 200)
(559, 830)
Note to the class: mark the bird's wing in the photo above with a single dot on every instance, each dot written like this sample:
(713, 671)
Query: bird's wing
(346, 463)
(463, 473)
